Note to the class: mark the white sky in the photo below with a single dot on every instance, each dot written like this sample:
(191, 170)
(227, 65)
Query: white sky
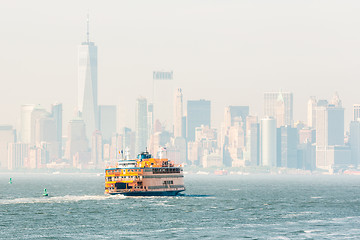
(229, 52)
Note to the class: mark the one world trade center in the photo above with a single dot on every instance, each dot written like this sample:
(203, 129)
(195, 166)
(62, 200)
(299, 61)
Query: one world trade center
(87, 84)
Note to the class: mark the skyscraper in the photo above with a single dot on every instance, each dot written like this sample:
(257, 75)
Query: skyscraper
(356, 112)
(233, 113)
(37, 113)
(198, 113)
(141, 125)
(252, 141)
(311, 114)
(280, 106)
(268, 142)
(287, 142)
(329, 125)
(236, 144)
(25, 128)
(77, 141)
(107, 121)
(179, 144)
(355, 142)
(87, 84)
(128, 141)
(96, 149)
(163, 95)
(330, 149)
(150, 120)
(46, 136)
(7, 135)
(17, 152)
(178, 113)
(56, 114)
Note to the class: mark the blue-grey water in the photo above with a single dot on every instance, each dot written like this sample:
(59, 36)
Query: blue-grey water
(213, 207)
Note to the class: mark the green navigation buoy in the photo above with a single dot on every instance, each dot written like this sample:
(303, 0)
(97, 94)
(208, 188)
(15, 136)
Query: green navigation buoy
(10, 181)
(45, 194)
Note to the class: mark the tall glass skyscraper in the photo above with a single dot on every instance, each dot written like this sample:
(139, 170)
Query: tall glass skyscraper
(87, 85)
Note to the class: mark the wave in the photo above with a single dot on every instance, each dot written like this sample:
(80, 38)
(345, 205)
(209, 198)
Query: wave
(195, 195)
(59, 199)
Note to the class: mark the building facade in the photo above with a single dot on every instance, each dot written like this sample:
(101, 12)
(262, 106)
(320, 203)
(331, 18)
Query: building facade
(198, 113)
(268, 142)
(7, 136)
(178, 113)
(25, 127)
(311, 112)
(107, 121)
(356, 112)
(280, 106)
(141, 128)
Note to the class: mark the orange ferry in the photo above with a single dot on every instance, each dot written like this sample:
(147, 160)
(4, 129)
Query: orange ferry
(145, 176)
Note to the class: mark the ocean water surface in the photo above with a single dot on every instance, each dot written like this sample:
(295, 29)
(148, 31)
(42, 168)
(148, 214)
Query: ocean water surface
(212, 207)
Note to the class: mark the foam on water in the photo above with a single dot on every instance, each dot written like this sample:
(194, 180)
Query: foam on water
(59, 199)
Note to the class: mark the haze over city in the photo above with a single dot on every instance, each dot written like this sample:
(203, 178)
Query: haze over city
(229, 53)
(191, 119)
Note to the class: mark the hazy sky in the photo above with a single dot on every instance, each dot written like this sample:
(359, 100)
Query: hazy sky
(229, 52)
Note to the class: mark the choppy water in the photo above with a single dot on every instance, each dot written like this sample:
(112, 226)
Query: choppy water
(213, 207)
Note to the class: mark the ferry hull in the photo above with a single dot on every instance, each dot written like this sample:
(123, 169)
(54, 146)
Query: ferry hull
(149, 193)
(145, 176)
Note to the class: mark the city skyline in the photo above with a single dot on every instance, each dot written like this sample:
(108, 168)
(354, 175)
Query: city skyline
(213, 119)
(236, 64)
(188, 125)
